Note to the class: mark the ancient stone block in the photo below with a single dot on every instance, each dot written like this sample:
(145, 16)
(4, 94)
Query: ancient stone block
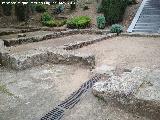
(136, 91)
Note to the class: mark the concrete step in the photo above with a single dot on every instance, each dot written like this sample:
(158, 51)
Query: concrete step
(147, 27)
(145, 30)
(147, 24)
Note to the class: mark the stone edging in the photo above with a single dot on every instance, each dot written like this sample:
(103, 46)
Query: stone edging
(18, 31)
(53, 35)
(81, 44)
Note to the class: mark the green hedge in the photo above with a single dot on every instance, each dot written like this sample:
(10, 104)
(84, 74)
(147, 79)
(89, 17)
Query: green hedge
(114, 10)
(48, 20)
(79, 22)
(46, 17)
(54, 23)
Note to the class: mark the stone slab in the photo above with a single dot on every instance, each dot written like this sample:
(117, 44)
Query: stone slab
(136, 91)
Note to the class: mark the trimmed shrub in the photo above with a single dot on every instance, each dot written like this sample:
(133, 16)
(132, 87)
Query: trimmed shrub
(114, 10)
(116, 28)
(46, 17)
(79, 22)
(48, 20)
(7, 9)
(40, 8)
(101, 22)
(54, 23)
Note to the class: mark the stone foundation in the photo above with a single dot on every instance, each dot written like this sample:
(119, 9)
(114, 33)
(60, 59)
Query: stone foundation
(55, 34)
(24, 60)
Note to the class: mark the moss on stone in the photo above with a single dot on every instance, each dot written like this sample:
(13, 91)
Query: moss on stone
(4, 89)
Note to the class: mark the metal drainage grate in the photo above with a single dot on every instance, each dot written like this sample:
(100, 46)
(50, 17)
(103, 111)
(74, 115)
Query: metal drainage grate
(74, 98)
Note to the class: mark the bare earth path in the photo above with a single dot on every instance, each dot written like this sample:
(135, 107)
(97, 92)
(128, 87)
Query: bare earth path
(127, 52)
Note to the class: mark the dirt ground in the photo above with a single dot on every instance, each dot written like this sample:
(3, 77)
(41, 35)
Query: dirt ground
(126, 52)
(122, 52)
(30, 94)
(53, 43)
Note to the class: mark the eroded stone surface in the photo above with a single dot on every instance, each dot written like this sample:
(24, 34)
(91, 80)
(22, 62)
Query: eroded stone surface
(136, 91)
(27, 59)
(104, 70)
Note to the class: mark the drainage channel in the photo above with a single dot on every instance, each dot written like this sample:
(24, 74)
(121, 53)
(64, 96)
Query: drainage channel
(74, 98)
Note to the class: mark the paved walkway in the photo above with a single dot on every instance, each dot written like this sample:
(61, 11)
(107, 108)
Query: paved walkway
(147, 18)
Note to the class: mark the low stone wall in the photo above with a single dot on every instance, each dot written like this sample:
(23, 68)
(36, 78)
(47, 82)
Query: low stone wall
(24, 60)
(68, 57)
(23, 40)
(8, 32)
(81, 44)
(57, 29)
(137, 92)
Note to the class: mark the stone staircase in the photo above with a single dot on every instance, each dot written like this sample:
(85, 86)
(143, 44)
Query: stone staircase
(147, 19)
